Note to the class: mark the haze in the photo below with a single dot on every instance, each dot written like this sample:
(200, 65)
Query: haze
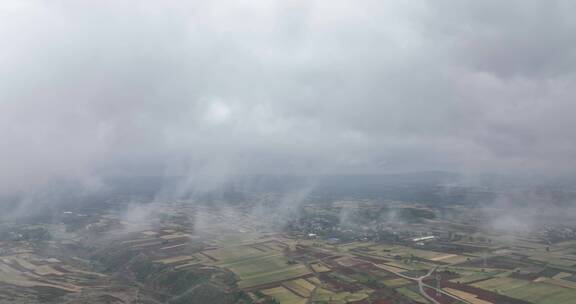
(288, 151)
(132, 88)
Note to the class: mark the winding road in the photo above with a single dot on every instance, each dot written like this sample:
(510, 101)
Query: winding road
(421, 285)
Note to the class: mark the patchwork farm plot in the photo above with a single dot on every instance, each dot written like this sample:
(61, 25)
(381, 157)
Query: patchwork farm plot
(284, 295)
(537, 292)
(257, 266)
(396, 252)
(29, 270)
(235, 262)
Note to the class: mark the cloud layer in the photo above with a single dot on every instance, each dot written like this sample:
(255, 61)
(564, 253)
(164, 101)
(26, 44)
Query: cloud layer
(173, 87)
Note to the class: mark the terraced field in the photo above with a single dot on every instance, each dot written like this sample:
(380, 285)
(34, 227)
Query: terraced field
(257, 267)
(300, 287)
(284, 295)
(327, 296)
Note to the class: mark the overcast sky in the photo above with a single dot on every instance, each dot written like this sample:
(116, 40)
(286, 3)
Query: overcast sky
(91, 88)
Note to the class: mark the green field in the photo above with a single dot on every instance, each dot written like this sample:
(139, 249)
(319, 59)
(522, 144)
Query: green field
(412, 294)
(300, 286)
(235, 253)
(319, 267)
(535, 292)
(473, 274)
(390, 251)
(255, 267)
(325, 296)
(565, 261)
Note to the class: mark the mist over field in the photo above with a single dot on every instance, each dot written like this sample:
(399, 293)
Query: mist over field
(287, 152)
(201, 94)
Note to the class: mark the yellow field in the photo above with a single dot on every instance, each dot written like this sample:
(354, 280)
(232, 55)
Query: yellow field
(314, 280)
(300, 287)
(174, 236)
(396, 282)
(173, 246)
(12, 276)
(317, 267)
(176, 259)
(391, 268)
(390, 251)
(472, 298)
(25, 264)
(449, 258)
(284, 295)
(443, 257)
(562, 275)
(74, 269)
(46, 270)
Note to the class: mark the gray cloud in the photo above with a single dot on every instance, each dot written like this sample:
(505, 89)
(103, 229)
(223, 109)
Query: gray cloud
(147, 87)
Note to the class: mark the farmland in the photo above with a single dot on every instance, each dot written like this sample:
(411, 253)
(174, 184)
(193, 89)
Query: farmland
(237, 259)
(264, 269)
(284, 295)
(539, 292)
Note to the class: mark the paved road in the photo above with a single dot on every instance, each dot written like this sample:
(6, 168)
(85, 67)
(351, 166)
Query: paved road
(421, 285)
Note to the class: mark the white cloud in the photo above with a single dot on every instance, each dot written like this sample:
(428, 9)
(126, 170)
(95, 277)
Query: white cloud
(277, 86)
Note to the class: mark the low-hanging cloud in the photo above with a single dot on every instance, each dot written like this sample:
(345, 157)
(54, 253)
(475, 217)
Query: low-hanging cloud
(168, 88)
